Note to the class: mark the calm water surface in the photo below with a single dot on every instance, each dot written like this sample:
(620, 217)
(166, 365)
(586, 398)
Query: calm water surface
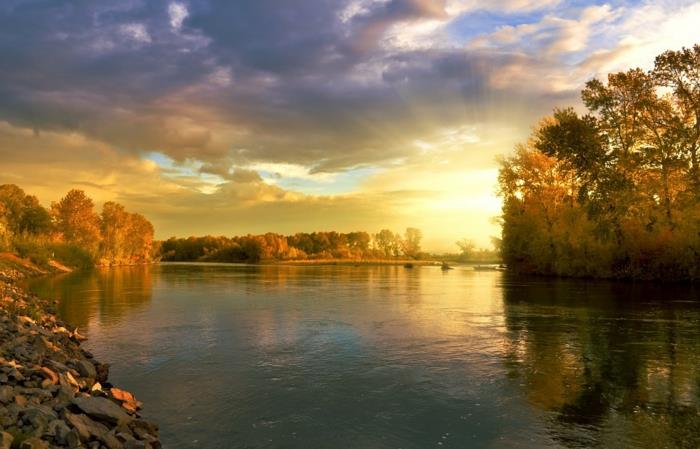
(228, 356)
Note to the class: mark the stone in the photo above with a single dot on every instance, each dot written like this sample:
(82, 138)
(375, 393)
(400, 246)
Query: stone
(6, 440)
(34, 443)
(102, 372)
(134, 444)
(39, 416)
(146, 426)
(59, 430)
(20, 400)
(102, 409)
(56, 366)
(111, 441)
(86, 369)
(50, 375)
(65, 393)
(68, 379)
(7, 394)
(85, 426)
(73, 439)
(127, 399)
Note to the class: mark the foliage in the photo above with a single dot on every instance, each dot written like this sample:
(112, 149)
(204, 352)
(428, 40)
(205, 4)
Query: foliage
(300, 246)
(76, 220)
(72, 232)
(33, 249)
(615, 192)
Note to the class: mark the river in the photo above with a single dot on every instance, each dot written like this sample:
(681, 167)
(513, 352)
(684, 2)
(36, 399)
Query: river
(236, 356)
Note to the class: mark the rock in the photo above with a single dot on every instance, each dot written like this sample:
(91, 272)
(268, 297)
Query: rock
(102, 372)
(20, 400)
(50, 375)
(102, 409)
(73, 439)
(56, 366)
(34, 443)
(86, 369)
(127, 399)
(147, 426)
(86, 427)
(39, 416)
(134, 444)
(59, 430)
(68, 379)
(111, 441)
(65, 393)
(7, 394)
(6, 440)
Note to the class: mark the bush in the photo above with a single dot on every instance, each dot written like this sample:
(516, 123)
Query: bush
(71, 255)
(32, 249)
(41, 252)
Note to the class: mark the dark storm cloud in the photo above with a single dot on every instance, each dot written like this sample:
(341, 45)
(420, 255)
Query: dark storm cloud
(237, 81)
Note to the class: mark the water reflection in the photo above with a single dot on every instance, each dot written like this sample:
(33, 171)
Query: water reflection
(384, 357)
(616, 365)
(98, 296)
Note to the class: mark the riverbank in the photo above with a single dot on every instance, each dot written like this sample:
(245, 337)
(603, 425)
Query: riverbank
(53, 393)
(356, 262)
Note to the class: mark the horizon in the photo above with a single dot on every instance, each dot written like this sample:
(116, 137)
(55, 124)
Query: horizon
(212, 118)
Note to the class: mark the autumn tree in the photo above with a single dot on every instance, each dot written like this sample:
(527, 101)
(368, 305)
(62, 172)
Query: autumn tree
(387, 243)
(76, 221)
(678, 71)
(613, 192)
(114, 228)
(410, 245)
(22, 213)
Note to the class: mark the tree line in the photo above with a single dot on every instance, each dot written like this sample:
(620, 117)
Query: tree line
(316, 245)
(71, 231)
(614, 192)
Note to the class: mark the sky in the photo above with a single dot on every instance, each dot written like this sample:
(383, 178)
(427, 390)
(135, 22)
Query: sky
(233, 117)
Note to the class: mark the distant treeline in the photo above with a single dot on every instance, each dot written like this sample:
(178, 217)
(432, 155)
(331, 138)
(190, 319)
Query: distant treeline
(71, 231)
(300, 246)
(615, 192)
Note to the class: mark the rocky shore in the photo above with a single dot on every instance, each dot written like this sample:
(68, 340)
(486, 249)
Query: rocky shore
(53, 393)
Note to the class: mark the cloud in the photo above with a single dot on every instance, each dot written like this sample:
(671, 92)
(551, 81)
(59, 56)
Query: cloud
(266, 102)
(178, 13)
(136, 32)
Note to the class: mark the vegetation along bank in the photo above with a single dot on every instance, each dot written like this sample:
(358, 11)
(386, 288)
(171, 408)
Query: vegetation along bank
(613, 193)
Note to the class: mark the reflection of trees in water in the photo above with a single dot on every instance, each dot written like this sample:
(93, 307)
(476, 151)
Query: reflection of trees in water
(85, 295)
(615, 365)
(257, 278)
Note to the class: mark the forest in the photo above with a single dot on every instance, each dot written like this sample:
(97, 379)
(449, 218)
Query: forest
(613, 192)
(71, 231)
(301, 246)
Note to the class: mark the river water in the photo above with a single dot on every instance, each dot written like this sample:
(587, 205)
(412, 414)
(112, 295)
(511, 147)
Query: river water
(235, 356)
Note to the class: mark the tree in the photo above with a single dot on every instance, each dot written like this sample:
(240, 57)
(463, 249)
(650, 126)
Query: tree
(139, 240)
(577, 141)
(35, 219)
(411, 242)
(614, 192)
(386, 242)
(466, 248)
(678, 71)
(22, 213)
(76, 220)
(115, 231)
(12, 198)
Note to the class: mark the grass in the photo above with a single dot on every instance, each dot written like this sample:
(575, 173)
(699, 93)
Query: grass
(42, 252)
